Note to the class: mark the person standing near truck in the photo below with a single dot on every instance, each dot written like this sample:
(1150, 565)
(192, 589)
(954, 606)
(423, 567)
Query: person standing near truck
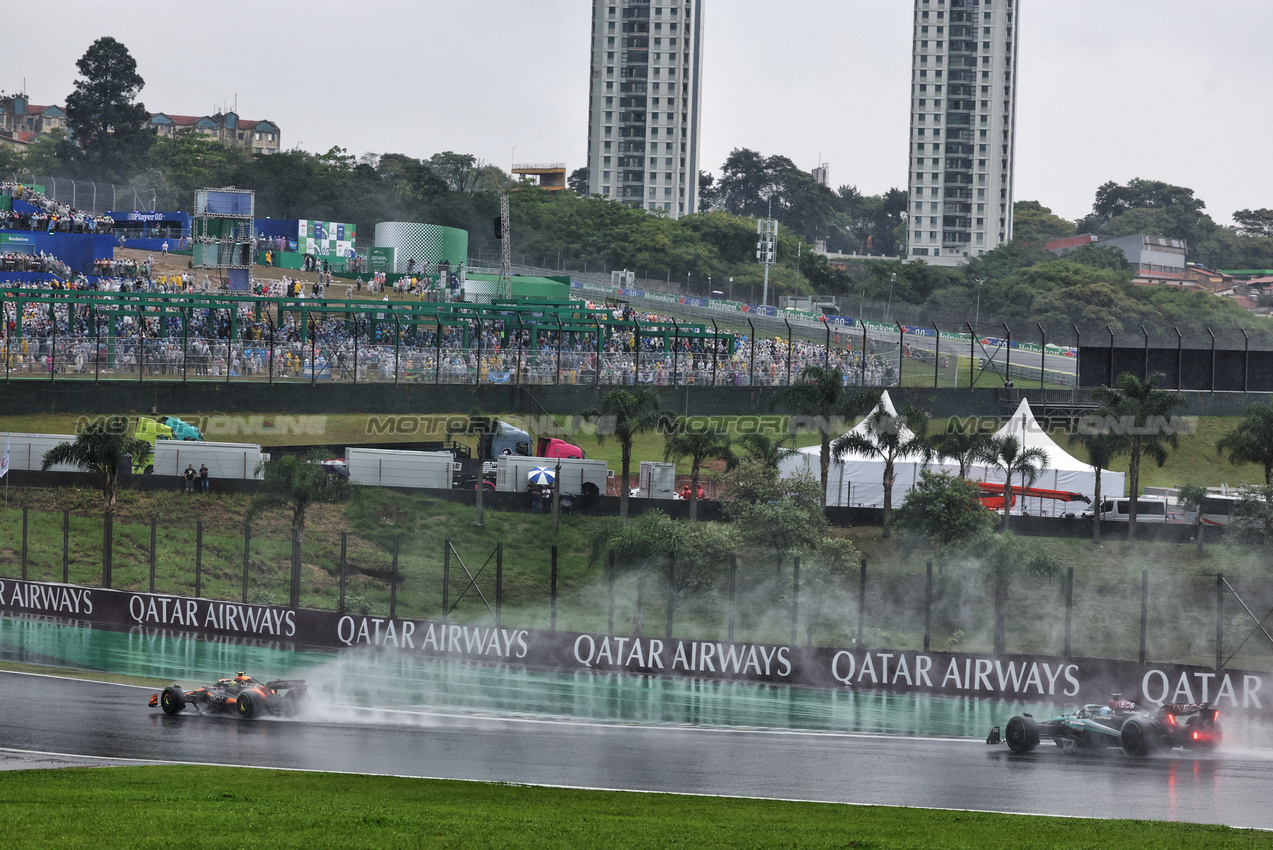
(203, 477)
(189, 474)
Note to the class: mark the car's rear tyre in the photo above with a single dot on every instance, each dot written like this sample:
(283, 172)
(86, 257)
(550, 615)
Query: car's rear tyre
(1135, 739)
(1022, 734)
(246, 706)
(172, 700)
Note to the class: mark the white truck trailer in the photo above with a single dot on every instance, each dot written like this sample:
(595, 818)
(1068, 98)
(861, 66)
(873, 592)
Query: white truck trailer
(657, 481)
(513, 471)
(26, 451)
(224, 460)
(393, 468)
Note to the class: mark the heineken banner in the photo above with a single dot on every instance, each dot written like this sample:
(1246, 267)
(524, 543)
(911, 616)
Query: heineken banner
(1064, 680)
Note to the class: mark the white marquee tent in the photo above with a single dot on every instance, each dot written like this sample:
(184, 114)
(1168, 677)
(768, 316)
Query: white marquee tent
(1062, 471)
(858, 480)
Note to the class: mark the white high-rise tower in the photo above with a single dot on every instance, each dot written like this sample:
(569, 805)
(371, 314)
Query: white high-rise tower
(643, 103)
(963, 128)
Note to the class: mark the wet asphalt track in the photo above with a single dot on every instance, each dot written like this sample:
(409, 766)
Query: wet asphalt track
(56, 722)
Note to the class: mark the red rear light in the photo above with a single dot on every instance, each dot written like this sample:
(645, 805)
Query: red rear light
(1171, 720)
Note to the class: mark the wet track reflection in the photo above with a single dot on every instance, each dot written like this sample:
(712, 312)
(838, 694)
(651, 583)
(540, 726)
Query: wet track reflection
(386, 714)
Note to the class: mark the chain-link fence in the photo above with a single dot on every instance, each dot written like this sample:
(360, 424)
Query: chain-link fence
(1121, 614)
(90, 196)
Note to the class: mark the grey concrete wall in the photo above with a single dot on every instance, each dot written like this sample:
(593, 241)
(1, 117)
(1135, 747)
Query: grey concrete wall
(34, 397)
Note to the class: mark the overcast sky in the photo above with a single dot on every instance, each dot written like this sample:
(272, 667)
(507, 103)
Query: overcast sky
(1173, 90)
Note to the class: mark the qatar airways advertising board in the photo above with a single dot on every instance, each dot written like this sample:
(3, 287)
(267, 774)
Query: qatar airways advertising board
(1073, 680)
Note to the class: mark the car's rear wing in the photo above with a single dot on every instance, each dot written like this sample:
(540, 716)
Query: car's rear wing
(285, 684)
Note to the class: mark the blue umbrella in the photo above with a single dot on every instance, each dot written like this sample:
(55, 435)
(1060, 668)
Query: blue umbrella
(542, 476)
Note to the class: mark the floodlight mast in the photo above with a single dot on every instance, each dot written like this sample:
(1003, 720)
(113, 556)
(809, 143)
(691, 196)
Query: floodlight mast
(506, 250)
(767, 230)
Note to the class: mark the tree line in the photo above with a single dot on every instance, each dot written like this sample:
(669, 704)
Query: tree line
(1020, 284)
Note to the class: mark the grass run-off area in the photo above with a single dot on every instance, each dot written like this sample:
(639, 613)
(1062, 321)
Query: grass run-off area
(171, 806)
(1195, 461)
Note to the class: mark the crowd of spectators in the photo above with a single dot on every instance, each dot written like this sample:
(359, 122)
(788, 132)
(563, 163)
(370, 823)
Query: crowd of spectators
(122, 268)
(12, 261)
(339, 347)
(50, 216)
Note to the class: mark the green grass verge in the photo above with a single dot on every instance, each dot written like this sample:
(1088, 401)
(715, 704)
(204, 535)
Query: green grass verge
(169, 806)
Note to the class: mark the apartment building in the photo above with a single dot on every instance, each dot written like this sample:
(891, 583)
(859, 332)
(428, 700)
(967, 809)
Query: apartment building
(644, 103)
(963, 128)
(227, 128)
(23, 122)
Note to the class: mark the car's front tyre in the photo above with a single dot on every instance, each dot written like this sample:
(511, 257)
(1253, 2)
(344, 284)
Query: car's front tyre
(1135, 739)
(1022, 734)
(246, 706)
(172, 700)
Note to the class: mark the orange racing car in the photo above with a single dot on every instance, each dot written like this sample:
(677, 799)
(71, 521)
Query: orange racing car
(242, 695)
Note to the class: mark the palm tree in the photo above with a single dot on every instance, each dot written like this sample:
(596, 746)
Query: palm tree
(1013, 458)
(784, 515)
(889, 437)
(820, 395)
(698, 446)
(1252, 440)
(1192, 496)
(962, 444)
(764, 449)
(294, 484)
(1142, 415)
(102, 447)
(1003, 559)
(692, 557)
(1102, 447)
(624, 415)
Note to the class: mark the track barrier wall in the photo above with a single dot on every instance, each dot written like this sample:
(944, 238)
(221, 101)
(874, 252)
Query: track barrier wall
(1072, 680)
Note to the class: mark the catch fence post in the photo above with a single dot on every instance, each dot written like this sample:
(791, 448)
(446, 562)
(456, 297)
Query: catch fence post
(733, 593)
(1144, 612)
(554, 587)
(610, 581)
(107, 539)
(499, 582)
(198, 558)
(344, 568)
(671, 592)
(66, 547)
(1069, 608)
(1219, 623)
(972, 357)
(24, 542)
(247, 554)
(795, 599)
(446, 578)
(154, 526)
(393, 586)
(861, 603)
(928, 604)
